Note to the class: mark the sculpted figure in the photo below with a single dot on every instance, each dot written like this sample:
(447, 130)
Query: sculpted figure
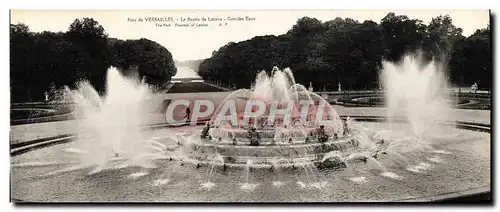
(254, 137)
(204, 132)
(322, 136)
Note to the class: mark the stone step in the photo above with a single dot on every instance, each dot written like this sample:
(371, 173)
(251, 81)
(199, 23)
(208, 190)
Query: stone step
(210, 150)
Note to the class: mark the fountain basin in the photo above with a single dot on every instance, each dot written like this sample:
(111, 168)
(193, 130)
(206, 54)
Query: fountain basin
(267, 155)
(464, 165)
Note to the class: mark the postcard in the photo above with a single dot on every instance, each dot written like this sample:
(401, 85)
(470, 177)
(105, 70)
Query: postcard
(250, 106)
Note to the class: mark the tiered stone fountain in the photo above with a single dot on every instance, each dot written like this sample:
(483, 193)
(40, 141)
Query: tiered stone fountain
(303, 134)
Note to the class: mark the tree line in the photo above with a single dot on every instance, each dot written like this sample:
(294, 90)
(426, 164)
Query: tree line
(47, 61)
(351, 52)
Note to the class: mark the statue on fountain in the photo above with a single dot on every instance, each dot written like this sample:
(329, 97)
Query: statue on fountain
(254, 137)
(204, 132)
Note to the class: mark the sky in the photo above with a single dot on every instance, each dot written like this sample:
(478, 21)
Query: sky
(189, 42)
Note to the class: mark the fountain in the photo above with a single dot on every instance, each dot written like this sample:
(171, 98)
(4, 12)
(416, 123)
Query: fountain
(300, 135)
(417, 92)
(303, 153)
(314, 135)
(112, 127)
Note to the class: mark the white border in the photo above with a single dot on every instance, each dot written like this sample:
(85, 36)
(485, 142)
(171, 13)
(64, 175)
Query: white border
(254, 4)
(201, 4)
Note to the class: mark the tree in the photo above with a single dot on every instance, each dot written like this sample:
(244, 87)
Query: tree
(471, 60)
(90, 37)
(401, 35)
(154, 62)
(350, 52)
(52, 60)
(21, 45)
(440, 38)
